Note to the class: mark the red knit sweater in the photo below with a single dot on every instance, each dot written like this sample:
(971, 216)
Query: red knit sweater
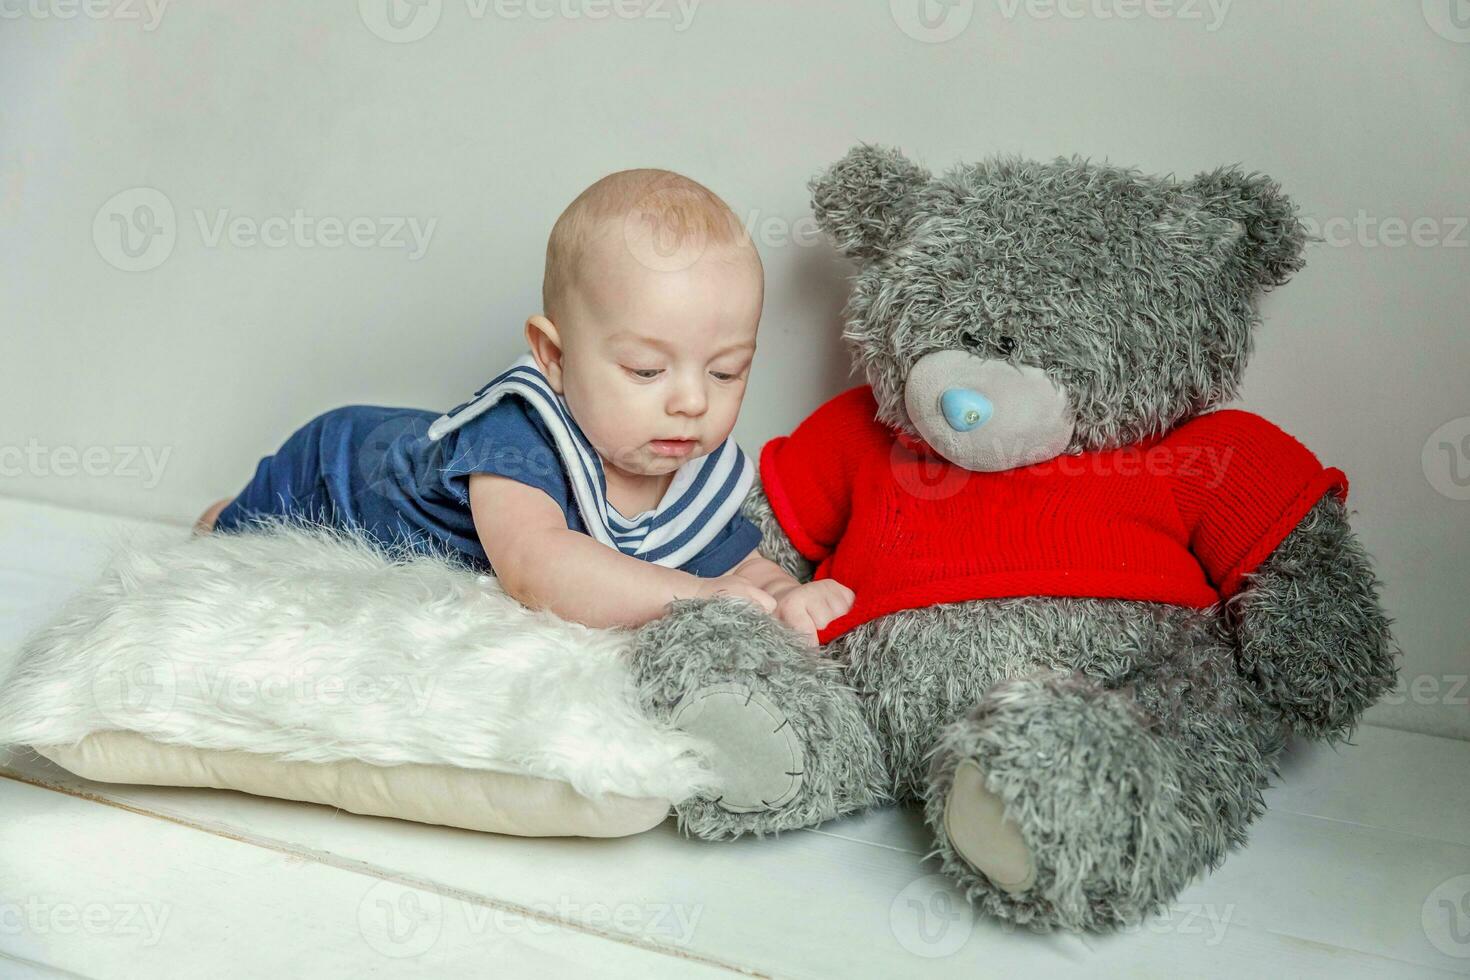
(1177, 519)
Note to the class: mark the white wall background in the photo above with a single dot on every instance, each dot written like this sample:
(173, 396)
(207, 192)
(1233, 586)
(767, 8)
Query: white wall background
(153, 392)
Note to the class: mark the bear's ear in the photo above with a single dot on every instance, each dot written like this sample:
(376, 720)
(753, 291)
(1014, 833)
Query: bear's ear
(1272, 238)
(861, 201)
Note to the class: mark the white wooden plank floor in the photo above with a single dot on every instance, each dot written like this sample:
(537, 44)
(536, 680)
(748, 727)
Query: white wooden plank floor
(1361, 868)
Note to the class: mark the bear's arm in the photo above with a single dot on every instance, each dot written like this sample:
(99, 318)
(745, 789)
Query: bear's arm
(1269, 525)
(775, 545)
(1312, 634)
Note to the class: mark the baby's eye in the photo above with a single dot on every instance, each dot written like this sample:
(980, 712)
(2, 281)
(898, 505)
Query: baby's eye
(646, 374)
(724, 376)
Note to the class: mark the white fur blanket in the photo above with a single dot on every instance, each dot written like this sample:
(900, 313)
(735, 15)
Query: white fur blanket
(316, 646)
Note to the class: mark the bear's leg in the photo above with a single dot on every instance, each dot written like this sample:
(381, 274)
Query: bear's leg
(787, 738)
(1059, 801)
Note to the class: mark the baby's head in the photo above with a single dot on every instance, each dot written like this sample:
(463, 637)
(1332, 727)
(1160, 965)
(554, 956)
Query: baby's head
(651, 301)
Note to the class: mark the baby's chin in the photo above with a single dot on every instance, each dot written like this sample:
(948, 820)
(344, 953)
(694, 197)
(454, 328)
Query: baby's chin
(657, 464)
(647, 461)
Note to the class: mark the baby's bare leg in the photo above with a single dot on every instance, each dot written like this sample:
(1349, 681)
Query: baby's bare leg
(205, 524)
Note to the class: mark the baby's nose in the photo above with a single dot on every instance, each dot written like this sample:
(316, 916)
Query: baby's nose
(687, 400)
(965, 408)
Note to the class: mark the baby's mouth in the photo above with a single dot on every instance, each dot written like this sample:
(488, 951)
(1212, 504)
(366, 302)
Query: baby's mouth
(672, 447)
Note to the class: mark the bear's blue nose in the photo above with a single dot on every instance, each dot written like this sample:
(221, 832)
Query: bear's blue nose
(965, 408)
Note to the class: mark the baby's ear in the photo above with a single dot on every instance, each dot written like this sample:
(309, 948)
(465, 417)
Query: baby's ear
(1272, 238)
(861, 201)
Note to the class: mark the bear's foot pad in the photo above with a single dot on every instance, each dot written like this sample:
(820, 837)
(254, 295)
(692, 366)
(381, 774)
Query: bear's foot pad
(974, 821)
(754, 748)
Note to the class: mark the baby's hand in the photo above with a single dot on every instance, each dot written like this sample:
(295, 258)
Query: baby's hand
(734, 585)
(809, 607)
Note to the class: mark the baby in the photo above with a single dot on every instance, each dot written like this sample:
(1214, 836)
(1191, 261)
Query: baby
(595, 476)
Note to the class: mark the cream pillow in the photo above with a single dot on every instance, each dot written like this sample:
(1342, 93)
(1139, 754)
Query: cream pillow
(309, 664)
(474, 799)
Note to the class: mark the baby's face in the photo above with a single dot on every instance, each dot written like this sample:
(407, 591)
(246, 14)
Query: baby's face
(655, 359)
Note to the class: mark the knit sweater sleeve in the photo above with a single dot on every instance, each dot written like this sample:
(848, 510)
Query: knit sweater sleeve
(1242, 485)
(809, 476)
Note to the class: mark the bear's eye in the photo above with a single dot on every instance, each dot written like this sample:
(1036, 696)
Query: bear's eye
(1006, 346)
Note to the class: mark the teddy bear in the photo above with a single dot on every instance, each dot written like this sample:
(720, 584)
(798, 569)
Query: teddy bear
(1091, 605)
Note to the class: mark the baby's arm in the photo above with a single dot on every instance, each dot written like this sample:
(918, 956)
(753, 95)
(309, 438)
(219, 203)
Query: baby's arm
(546, 565)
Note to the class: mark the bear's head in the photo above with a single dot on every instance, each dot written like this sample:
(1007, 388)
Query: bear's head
(1010, 311)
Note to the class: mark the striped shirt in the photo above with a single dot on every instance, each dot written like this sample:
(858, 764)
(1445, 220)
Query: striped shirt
(697, 519)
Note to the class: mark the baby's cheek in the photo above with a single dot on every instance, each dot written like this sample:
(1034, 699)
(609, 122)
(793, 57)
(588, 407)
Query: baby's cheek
(727, 411)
